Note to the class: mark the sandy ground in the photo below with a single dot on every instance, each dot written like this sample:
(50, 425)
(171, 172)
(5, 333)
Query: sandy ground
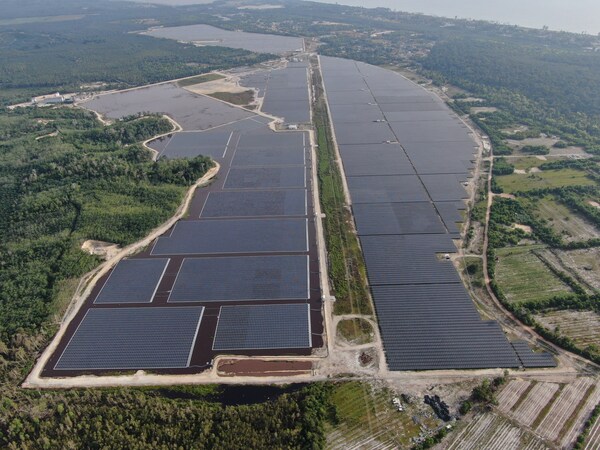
(525, 228)
(106, 250)
(228, 84)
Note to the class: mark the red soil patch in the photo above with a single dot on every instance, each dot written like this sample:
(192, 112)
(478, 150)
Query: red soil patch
(261, 368)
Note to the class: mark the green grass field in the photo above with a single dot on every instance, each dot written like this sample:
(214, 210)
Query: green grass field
(522, 276)
(199, 79)
(355, 331)
(546, 179)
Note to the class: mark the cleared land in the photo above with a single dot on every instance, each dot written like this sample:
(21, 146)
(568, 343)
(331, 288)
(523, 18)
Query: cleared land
(493, 432)
(581, 326)
(540, 180)
(199, 79)
(585, 262)
(369, 420)
(557, 412)
(565, 222)
(524, 277)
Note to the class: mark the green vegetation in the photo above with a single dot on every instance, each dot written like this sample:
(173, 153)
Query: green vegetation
(236, 98)
(502, 167)
(177, 417)
(545, 179)
(535, 149)
(88, 182)
(523, 277)
(583, 437)
(365, 410)
(356, 331)
(484, 394)
(346, 266)
(199, 79)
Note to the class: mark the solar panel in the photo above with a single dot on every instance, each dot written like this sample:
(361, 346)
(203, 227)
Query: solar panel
(263, 327)
(375, 159)
(133, 338)
(445, 187)
(451, 215)
(364, 133)
(408, 259)
(234, 236)
(133, 281)
(289, 202)
(266, 177)
(530, 359)
(242, 278)
(387, 189)
(397, 218)
(283, 156)
(191, 144)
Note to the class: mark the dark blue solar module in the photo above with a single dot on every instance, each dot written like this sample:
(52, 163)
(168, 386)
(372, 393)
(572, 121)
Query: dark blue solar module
(242, 278)
(387, 189)
(288, 202)
(284, 156)
(192, 144)
(379, 160)
(409, 259)
(397, 218)
(530, 359)
(133, 281)
(266, 177)
(234, 236)
(133, 338)
(263, 327)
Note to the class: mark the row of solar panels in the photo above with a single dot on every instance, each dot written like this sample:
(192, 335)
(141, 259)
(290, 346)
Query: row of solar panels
(248, 278)
(164, 337)
(406, 156)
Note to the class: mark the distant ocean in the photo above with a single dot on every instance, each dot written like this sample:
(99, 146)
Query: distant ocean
(562, 15)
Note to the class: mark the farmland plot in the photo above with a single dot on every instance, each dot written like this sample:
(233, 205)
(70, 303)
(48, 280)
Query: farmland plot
(563, 408)
(511, 394)
(581, 326)
(593, 440)
(578, 421)
(586, 262)
(524, 277)
(535, 402)
(492, 432)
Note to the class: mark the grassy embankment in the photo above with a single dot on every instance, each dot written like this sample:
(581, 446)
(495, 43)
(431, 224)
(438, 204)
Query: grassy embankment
(346, 266)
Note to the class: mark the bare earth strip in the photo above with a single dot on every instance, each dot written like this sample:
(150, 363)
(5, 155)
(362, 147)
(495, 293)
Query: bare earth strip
(581, 416)
(537, 399)
(563, 408)
(511, 394)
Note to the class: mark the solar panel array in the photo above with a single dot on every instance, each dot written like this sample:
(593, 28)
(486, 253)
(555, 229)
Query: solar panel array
(530, 359)
(242, 278)
(133, 338)
(247, 241)
(133, 281)
(288, 202)
(405, 155)
(262, 327)
(192, 144)
(197, 237)
(287, 93)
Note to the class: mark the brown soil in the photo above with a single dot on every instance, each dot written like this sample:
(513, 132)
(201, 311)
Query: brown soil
(258, 368)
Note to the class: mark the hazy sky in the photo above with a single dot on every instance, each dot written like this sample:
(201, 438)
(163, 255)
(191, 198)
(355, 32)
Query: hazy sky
(567, 15)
